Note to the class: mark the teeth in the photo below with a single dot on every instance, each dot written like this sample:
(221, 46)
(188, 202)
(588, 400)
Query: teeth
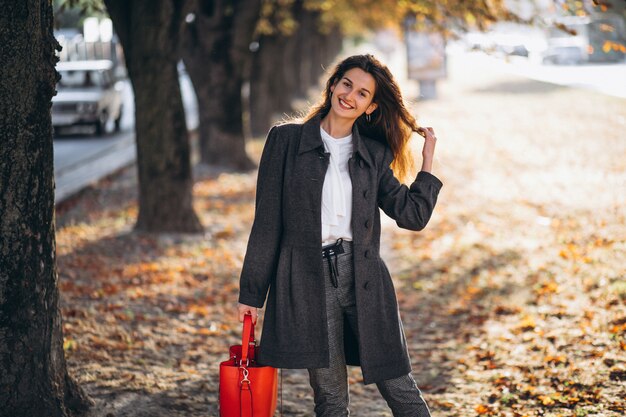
(344, 104)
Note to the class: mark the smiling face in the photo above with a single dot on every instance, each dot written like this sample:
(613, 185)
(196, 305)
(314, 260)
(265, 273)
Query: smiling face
(353, 94)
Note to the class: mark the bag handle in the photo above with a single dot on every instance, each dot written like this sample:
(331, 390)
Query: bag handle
(246, 397)
(247, 337)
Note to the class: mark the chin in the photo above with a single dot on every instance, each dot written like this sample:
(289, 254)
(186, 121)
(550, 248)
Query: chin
(345, 114)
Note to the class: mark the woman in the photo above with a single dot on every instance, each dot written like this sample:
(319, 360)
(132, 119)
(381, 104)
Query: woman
(315, 239)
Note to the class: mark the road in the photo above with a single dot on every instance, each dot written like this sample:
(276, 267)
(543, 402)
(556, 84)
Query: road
(609, 79)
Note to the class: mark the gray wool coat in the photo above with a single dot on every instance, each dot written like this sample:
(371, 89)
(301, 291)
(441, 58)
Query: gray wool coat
(284, 252)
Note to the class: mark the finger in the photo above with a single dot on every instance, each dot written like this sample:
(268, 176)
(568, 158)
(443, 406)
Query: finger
(427, 132)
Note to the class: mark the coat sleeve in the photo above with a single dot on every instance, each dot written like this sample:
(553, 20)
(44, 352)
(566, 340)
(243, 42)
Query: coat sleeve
(411, 207)
(259, 265)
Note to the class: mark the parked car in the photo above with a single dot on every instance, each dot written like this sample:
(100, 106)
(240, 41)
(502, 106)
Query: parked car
(508, 44)
(87, 94)
(565, 51)
(586, 39)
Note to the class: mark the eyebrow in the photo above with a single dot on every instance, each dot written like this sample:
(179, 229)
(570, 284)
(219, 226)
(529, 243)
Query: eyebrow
(361, 87)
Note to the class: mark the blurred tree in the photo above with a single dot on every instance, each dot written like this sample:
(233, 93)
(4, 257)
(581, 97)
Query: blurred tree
(149, 34)
(34, 380)
(445, 16)
(295, 47)
(71, 14)
(298, 39)
(215, 48)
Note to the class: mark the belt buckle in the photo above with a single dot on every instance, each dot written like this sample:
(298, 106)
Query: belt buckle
(335, 249)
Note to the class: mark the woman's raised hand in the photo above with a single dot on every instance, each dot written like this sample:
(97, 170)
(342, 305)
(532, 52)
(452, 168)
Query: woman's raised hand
(428, 151)
(243, 309)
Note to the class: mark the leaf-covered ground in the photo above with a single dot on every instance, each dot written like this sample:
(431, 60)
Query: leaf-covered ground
(513, 297)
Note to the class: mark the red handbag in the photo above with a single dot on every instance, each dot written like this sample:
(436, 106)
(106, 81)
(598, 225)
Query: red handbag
(246, 388)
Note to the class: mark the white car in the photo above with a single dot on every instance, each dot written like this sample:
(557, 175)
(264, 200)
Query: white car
(87, 94)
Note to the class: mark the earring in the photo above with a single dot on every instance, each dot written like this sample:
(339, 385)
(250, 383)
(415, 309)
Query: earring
(368, 117)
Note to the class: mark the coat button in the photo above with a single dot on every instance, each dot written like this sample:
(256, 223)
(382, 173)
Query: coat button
(366, 253)
(367, 224)
(365, 193)
(365, 285)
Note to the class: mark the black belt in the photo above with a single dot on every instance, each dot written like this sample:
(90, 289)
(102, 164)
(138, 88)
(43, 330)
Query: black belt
(331, 251)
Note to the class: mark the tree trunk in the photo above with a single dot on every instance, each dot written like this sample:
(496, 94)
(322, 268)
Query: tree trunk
(275, 81)
(316, 52)
(221, 138)
(268, 85)
(260, 97)
(287, 66)
(33, 376)
(216, 53)
(148, 31)
(287, 79)
(334, 45)
(305, 52)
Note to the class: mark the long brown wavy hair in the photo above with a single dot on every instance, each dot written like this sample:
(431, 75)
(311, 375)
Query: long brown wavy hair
(391, 122)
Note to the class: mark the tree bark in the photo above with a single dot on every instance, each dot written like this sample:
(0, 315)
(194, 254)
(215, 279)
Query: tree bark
(267, 84)
(305, 53)
(274, 83)
(217, 56)
(334, 45)
(33, 376)
(303, 57)
(148, 32)
(317, 50)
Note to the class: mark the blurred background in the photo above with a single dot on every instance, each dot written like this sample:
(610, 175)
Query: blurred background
(262, 60)
(513, 298)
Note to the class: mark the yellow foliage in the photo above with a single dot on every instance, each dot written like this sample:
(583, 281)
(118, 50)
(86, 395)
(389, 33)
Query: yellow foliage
(526, 324)
(69, 344)
(546, 400)
(358, 17)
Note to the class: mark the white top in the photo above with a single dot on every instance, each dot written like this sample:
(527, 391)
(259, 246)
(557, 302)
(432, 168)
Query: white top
(337, 190)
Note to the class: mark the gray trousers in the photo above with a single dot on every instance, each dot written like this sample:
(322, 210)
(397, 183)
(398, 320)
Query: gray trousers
(330, 385)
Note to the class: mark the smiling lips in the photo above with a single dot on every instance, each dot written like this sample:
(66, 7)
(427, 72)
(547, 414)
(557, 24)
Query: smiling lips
(345, 105)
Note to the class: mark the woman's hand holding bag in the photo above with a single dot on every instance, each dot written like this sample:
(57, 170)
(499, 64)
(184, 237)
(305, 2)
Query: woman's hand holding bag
(246, 388)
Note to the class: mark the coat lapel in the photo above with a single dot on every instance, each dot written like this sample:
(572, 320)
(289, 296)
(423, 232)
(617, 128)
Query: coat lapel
(311, 139)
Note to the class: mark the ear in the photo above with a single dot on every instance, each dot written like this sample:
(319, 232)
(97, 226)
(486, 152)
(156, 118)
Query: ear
(373, 106)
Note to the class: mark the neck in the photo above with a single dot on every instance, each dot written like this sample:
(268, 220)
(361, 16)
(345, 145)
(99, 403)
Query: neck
(337, 127)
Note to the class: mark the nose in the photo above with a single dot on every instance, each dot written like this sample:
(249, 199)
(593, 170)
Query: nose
(351, 96)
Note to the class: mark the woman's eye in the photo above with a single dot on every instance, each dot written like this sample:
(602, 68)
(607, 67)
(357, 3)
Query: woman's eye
(362, 94)
(347, 84)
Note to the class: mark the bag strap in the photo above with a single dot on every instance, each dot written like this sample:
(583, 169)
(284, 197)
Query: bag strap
(245, 395)
(247, 337)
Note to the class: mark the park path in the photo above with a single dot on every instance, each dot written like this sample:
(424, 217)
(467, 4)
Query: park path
(512, 298)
